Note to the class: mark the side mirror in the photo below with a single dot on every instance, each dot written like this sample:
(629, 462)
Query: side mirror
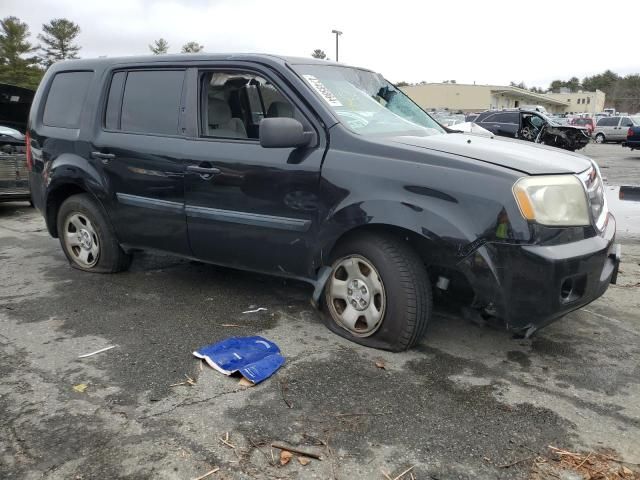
(283, 132)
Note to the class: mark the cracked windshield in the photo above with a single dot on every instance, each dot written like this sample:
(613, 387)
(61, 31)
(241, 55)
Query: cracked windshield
(366, 103)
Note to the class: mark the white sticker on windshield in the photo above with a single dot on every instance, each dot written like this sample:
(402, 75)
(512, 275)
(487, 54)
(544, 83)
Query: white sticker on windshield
(323, 91)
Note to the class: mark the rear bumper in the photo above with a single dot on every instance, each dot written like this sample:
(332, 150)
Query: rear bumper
(633, 144)
(531, 286)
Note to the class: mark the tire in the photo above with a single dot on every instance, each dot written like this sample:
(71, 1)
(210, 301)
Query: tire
(600, 138)
(404, 305)
(87, 237)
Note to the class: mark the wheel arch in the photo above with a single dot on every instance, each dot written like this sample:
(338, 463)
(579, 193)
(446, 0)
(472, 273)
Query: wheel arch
(70, 175)
(424, 230)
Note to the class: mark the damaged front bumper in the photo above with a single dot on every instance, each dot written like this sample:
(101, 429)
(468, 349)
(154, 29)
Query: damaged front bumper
(530, 286)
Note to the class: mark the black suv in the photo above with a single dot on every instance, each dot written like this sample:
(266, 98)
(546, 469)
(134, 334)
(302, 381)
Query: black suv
(316, 171)
(534, 126)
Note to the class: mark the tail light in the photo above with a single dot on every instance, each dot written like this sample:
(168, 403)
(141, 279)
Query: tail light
(27, 139)
(630, 132)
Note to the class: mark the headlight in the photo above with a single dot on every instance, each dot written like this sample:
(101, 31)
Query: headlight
(556, 200)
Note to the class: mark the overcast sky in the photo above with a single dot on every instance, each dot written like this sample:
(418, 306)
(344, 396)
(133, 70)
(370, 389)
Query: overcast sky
(484, 41)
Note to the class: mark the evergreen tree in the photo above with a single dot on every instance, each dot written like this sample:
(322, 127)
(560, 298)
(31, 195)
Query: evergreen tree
(57, 38)
(192, 47)
(159, 47)
(317, 53)
(17, 64)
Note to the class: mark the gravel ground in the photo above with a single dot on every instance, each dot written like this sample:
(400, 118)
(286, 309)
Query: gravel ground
(469, 402)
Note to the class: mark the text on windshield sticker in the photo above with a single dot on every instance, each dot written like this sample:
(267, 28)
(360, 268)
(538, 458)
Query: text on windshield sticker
(324, 92)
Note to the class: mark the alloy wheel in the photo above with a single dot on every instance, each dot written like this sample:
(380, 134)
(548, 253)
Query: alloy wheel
(356, 295)
(81, 240)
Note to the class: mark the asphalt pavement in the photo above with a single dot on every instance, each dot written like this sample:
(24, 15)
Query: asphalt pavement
(469, 402)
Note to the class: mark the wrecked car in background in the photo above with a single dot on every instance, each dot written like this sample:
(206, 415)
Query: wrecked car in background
(534, 126)
(15, 103)
(321, 172)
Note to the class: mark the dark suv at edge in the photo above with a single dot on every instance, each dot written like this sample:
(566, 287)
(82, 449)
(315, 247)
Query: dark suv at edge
(321, 172)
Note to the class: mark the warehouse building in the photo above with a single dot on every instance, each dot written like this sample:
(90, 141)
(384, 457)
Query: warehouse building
(580, 102)
(476, 98)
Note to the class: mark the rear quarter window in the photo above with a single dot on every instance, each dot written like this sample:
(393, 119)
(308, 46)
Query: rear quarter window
(66, 98)
(151, 102)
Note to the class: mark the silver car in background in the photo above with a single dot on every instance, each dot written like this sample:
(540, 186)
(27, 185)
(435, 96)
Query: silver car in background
(614, 129)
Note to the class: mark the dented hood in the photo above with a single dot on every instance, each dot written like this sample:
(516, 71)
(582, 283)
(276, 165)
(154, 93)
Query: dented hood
(530, 158)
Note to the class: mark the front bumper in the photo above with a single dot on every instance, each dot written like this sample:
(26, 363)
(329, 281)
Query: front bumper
(531, 286)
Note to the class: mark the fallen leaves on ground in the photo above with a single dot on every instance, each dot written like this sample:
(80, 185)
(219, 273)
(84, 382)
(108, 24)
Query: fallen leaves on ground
(81, 387)
(381, 364)
(591, 466)
(285, 457)
(304, 461)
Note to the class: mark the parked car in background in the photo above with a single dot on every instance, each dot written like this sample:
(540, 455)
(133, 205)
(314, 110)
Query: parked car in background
(14, 175)
(533, 126)
(11, 140)
(633, 138)
(321, 172)
(450, 121)
(586, 122)
(15, 103)
(614, 129)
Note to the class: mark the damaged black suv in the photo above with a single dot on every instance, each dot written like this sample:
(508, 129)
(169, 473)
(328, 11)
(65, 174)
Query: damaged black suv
(317, 171)
(534, 126)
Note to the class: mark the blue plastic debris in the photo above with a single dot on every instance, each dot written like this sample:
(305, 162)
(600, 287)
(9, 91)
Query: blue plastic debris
(256, 358)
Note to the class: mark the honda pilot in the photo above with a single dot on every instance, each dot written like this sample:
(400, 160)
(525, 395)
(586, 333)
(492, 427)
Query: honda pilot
(321, 172)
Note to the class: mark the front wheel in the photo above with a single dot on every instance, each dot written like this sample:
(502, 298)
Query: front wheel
(599, 138)
(87, 238)
(378, 293)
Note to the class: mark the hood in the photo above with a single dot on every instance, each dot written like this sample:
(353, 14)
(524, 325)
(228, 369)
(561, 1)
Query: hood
(530, 158)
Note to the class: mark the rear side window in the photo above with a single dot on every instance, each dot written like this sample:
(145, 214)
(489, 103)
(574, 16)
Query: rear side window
(608, 122)
(66, 98)
(505, 118)
(626, 122)
(150, 102)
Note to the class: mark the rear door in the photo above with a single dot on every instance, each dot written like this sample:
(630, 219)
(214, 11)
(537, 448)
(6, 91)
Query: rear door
(140, 151)
(611, 129)
(249, 206)
(623, 128)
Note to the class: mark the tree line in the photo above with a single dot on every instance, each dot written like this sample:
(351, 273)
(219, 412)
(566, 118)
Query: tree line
(23, 63)
(622, 92)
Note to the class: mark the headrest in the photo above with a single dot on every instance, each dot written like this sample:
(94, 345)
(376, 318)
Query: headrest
(219, 112)
(280, 109)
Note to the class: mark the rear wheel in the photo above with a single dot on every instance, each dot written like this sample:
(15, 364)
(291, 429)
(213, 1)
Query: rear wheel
(378, 293)
(600, 138)
(87, 237)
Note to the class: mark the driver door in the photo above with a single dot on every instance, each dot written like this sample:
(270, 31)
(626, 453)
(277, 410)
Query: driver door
(248, 206)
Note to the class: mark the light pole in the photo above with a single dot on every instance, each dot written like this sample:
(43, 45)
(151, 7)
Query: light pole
(338, 33)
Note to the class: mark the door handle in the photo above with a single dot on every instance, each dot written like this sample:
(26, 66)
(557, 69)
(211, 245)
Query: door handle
(203, 170)
(103, 156)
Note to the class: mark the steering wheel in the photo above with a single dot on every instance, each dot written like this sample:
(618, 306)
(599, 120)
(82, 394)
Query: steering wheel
(528, 133)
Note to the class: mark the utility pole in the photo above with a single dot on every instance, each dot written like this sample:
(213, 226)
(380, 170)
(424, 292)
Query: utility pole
(338, 33)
